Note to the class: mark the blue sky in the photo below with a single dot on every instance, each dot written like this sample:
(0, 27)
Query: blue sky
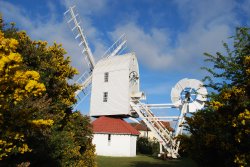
(169, 37)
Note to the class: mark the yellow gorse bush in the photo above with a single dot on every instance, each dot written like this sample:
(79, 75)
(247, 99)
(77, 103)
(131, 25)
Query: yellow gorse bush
(7, 44)
(16, 85)
(234, 91)
(27, 82)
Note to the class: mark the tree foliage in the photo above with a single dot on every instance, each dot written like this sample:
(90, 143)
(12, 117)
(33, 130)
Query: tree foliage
(220, 133)
(146, 146)
(17, 85)
(37, 125)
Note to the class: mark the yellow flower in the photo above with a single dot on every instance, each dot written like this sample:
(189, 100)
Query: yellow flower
(247, 60)
(24, 149)
(226, 95)
(31, 85)
(39, 122)
(2, 64)
(238, 91)
(13, 44)
(248, 71)
(32, 75)
(216, 105)
(243, 119)
(15, 57)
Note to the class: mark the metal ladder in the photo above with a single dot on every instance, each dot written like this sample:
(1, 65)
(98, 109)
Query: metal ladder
(163, 135)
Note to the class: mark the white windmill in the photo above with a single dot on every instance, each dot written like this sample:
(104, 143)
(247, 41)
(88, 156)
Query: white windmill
(115, 90)
(86, 79)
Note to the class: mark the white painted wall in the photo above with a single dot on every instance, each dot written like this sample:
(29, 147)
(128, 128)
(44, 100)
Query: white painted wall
(148, 135)
(118, 86)
(117, 94)
(119, 145)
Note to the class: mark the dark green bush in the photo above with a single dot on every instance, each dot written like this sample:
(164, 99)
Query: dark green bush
(146, 146)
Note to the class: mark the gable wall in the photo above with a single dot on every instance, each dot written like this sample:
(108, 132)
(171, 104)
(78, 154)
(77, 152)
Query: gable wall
(119, 145)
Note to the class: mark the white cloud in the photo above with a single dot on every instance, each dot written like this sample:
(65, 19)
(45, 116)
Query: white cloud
(204, 12)
(155, 50)
(87, 7)
(54, 31)
(149, 46)
(208, 24)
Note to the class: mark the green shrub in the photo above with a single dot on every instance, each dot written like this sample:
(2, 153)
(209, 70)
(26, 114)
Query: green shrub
(146, 146)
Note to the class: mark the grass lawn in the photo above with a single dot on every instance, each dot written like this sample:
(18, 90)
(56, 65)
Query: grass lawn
(142, 161)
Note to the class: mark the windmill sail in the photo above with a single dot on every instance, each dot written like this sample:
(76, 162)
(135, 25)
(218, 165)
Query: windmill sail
(76, 28)
(86, 79)
(117, 47)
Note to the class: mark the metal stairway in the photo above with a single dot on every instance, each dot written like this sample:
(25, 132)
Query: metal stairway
(163, 135)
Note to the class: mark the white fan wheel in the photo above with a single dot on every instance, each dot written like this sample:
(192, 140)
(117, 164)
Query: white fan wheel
(190, 91)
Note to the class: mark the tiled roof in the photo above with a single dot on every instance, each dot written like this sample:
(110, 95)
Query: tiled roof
(112, 125)
(167, 125)
(142, 126)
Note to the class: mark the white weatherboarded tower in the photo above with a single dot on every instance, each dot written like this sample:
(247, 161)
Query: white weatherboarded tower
(115, 80)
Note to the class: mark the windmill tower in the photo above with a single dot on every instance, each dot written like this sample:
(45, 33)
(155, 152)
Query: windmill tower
(114, 80)
(115, 94)
(85, 80)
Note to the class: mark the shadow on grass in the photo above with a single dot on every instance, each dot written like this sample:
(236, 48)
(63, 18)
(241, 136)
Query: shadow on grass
(164, 163)
(147, 164)
(143, 161)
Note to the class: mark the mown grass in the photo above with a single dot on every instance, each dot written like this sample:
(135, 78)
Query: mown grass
(142, 161)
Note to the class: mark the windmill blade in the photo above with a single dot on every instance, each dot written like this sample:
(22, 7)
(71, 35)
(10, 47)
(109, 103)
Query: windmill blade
(202, 91)
(175, 95)
(76, 28)
(196, 84)
(194, 106)
(179, 85)
(201, 97)
(185, 83)
(81, 97)
(85, 89)
(199, 104)
(117, 47)
(84, 84)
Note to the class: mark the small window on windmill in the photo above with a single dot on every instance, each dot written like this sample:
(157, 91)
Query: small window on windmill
(105, 96)
(106, 77)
